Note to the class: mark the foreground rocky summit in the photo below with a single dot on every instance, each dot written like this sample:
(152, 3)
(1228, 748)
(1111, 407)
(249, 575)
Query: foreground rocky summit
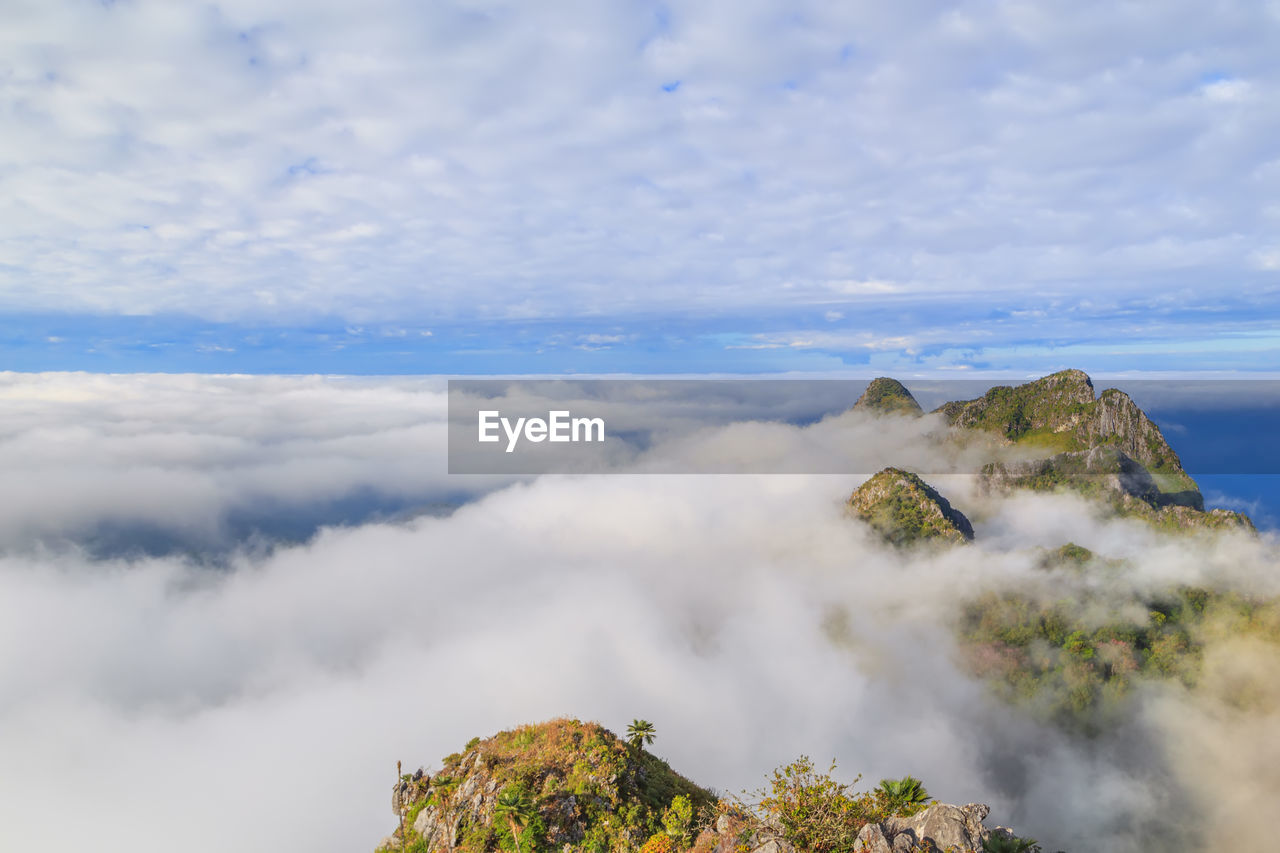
(588, 791)
(574, 787)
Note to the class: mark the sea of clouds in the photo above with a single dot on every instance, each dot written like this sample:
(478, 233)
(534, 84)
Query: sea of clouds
(229, 605)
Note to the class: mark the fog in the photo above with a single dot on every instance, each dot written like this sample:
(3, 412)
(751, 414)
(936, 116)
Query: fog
(252, 690)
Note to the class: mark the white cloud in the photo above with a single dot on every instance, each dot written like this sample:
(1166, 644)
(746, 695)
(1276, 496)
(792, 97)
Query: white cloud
(399, 162)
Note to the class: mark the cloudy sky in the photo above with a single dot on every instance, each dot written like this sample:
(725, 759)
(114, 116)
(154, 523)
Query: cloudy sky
(468, 187)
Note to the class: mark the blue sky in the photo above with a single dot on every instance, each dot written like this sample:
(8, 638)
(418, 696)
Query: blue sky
(474, 187)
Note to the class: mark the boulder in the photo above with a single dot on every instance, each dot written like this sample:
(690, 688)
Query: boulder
(940, 827)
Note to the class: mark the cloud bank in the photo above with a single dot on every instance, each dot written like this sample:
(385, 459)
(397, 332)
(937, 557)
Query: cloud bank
(261, 703)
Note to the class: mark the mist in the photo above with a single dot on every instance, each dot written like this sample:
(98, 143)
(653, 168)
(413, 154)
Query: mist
(259, 701)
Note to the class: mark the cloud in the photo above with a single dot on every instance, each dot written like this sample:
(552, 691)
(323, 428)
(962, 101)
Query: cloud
(265, 700)
(490, 161)
(200, 463)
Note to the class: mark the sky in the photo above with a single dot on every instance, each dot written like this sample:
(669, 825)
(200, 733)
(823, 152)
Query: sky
(480, 187)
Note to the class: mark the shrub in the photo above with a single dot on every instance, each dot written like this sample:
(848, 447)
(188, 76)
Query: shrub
(660, 843)
(816, 813)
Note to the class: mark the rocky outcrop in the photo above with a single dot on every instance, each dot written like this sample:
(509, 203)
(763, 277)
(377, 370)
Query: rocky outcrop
(906, 510)
(736, 833)
(940, 828)
(885, 396)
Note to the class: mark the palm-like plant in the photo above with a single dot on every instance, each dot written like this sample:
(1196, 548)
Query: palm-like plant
(1009, 844)
(639, 733)
(514, 805)
(905, 793)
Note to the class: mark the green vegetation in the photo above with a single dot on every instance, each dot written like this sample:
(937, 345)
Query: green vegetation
(1054, 404)
(1059, 413)
(556, 783)
(639, 733)
(888, 397)
(1076, 660)
(816, 812)
(517, 809)
(677, 820)
(821, 815)
(903, 796)
(1069, 556)
(1010, 844)
(569, 785)
(906, 510)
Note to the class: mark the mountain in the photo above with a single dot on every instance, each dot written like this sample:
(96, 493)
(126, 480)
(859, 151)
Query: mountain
(887, 396)
(906, 510)
(1104, 447)
(566, 786)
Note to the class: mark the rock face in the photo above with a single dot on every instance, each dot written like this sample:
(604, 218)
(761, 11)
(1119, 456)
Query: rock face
(940, 828)
(887, 396)
(1060, 411)
(906, 510)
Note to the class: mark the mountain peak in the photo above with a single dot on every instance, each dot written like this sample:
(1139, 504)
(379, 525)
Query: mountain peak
(582, 782)
(888, 397)
(905, 510)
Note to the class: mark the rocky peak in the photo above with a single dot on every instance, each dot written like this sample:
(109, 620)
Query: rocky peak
(1055, 403)
(905, 510)
(1059, 411)
(586, 788)
(887, 396)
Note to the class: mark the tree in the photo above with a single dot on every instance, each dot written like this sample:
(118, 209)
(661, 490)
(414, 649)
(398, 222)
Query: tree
(905, 794)
(639, 733)
(678, 818)
(514, 805)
